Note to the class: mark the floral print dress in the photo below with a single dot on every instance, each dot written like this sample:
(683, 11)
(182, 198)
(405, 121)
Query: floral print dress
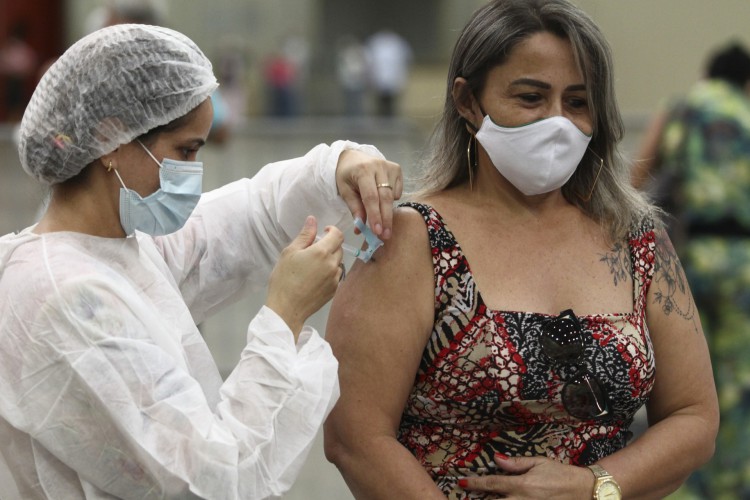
(484, 385)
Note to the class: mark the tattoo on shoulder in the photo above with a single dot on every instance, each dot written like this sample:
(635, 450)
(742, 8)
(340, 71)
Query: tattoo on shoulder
(671, 290)
(618, 261)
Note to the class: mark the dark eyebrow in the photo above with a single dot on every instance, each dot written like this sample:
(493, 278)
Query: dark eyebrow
(531, 82)
(575, 88)
(197, 142)
(544, 85)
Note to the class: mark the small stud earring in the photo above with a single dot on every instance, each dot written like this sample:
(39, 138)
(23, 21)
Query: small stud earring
(109, 166)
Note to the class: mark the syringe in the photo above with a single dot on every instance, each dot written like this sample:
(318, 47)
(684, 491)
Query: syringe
(354, 252)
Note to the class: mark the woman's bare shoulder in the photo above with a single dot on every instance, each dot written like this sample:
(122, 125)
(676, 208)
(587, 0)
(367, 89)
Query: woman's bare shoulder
(409, 233)
(405, 256)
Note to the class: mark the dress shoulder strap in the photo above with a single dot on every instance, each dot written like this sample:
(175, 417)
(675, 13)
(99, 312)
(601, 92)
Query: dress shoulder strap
(642, 242)
(440, 236)
(450, 267)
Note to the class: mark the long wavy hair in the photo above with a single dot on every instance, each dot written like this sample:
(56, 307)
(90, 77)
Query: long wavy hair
(485, 42)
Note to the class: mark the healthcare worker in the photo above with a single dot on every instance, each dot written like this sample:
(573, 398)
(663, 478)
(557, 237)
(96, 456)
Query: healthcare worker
(107, 388)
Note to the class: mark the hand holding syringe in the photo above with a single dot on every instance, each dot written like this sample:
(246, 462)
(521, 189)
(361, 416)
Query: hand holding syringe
(373, 243)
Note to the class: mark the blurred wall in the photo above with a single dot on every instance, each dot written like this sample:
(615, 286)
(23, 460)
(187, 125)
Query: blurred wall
(659, 46)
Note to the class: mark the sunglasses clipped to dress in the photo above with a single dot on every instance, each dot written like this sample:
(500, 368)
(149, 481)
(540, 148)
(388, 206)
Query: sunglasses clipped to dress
(584, 395)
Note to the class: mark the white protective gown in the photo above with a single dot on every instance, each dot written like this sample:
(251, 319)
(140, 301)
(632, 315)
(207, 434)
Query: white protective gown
(107, 388)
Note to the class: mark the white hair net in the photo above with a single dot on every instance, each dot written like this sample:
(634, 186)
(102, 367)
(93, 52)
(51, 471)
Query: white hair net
(107, 89)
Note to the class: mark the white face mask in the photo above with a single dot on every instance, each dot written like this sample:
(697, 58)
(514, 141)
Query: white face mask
(536, 158)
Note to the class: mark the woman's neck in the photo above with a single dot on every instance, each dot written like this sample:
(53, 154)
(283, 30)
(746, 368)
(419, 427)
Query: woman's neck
(86, 205)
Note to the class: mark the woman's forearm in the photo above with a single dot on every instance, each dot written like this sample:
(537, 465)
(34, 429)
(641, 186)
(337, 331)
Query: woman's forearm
(659, 461)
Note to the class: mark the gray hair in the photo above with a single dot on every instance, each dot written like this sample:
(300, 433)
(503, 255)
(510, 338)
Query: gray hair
(485, 42)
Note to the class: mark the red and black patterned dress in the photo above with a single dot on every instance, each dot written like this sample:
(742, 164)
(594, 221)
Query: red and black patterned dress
(484, 386)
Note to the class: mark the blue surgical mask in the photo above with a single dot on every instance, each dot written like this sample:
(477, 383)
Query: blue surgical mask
(169, 207)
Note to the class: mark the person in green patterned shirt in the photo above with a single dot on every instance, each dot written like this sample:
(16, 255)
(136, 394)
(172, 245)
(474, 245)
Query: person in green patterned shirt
(695, 159)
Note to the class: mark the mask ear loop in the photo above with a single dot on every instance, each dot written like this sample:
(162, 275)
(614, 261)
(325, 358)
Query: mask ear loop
(591, 192)
(149, 152)
(120, 178)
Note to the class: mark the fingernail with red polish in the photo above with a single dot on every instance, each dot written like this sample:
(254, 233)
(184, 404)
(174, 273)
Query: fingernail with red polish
(463, 483)
(500, 456)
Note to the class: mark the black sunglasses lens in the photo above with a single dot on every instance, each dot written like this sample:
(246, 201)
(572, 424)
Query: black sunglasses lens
(584, 397)
(561, 339)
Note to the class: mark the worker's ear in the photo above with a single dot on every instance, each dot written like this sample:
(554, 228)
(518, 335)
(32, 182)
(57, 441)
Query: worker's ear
(110, 160)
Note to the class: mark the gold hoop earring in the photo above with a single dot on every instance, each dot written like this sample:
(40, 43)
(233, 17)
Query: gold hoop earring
(591, 192)
(469, 162)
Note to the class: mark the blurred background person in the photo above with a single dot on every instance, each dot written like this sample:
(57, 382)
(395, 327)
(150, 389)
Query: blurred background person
(220, 129)
(232, 61)
(390, 57)
(279, 75)
(296, 50)
(352, 70)
(695, 158)
(285, 73)
(18, 64)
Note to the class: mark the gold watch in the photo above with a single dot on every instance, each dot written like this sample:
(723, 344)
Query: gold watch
(605, 487)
